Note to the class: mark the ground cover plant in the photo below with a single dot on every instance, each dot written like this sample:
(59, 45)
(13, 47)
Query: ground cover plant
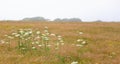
(59, 43)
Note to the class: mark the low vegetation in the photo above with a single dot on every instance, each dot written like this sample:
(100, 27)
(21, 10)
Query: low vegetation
(59, 43)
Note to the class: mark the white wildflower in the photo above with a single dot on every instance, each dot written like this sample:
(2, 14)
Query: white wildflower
(23, 48)
(52, 34)
(21, 44)
(38, 32)
(27, 33)
(59, 36)
(37, 37)
(17, 35)
(78, 40)
(57, 43)
(46, 31)
(62, 43)
(33, 42)
(22, 37)
(14, 33)
(30, 32)
(46, 38)
(7, 42)
(43, 35)
(33, 47)
(26, 39)
(39, 45)
(80, 33)
(49, 45)
(46, 27)
(74, 62)
(84, 42)
(73, 44)
(37, 42)
(10, 37)
(6, 35)
(21, 31)
(113, 53)
(2, 41)
(79, 45)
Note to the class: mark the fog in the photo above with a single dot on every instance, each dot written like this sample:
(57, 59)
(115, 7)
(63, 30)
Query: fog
(87, 10)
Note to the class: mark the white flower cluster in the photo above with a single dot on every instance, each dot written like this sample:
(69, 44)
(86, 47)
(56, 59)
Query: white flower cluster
(74, 62)
(80, 41)
(29, 39)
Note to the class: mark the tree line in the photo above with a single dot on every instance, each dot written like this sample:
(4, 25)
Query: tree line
(57, 19)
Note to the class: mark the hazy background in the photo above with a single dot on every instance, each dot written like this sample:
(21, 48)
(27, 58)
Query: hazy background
(87, 10)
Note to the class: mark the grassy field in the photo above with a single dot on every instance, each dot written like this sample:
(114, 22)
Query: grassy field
(103, 43)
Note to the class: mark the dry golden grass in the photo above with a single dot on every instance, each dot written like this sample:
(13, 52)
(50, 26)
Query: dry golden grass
(103, 42)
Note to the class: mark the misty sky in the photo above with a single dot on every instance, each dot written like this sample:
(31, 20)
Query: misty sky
(87, 10)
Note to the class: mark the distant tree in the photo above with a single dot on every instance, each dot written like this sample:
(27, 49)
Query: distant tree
(75, 19)
(35, 19)
(65, 19)
(68, 19)
(98, 21)
(57, 19)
